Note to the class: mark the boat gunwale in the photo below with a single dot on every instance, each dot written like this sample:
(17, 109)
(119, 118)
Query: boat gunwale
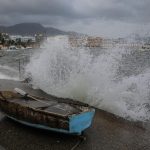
(89, 108)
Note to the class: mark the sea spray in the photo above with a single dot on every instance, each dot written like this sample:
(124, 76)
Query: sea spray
(9, 73)
(76, 72)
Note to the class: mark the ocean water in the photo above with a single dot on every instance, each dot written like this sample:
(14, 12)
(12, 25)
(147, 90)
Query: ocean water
(116, 79)
(12, 63)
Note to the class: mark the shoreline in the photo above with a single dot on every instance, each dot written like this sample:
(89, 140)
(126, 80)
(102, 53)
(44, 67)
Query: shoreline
(107, 132)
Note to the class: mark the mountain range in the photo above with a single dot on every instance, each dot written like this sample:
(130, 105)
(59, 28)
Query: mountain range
(31, 29)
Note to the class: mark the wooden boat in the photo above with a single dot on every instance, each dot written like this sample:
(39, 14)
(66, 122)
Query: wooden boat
(67, 117)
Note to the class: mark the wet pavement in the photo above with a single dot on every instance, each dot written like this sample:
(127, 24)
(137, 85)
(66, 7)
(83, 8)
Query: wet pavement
(107, 132)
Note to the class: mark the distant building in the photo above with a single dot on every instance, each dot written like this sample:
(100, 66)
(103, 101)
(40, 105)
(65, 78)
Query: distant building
(86, 41)
(94, 42)
(22, 38)
(40, 38)
(77, 40)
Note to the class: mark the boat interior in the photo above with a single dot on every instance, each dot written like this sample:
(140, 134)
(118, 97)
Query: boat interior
(45, 105)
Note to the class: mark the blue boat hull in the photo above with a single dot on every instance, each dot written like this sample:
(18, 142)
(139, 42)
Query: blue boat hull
(77, 123)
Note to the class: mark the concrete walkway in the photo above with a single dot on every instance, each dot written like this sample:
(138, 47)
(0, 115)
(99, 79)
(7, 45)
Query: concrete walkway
(106, 133)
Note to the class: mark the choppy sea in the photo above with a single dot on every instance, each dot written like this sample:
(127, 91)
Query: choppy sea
(114, 79)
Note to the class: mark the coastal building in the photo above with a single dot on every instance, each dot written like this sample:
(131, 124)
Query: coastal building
(106, 43)
(89, 41)
(22, 38)
(94, 42)
(9, 41)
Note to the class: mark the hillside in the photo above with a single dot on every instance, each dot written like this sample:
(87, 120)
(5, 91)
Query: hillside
(31, 29)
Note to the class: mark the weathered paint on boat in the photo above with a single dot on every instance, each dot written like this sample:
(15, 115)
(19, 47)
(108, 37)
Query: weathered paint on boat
(78, 123)
(47, 114)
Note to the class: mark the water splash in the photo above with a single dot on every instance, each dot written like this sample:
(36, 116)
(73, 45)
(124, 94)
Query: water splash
(80, 74)
(9, 73)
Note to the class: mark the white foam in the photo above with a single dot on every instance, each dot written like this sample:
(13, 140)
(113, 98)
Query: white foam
(7, 76)
(75, 73)
(3, 76)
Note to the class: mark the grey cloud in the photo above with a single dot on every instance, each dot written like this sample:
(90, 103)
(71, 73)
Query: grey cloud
(52, 7)
(71, 13)
(110, 9)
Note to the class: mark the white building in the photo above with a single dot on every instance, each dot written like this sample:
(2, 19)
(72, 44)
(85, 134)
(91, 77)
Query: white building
(23, 38)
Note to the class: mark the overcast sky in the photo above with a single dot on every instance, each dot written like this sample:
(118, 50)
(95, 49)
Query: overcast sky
(95, 17)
